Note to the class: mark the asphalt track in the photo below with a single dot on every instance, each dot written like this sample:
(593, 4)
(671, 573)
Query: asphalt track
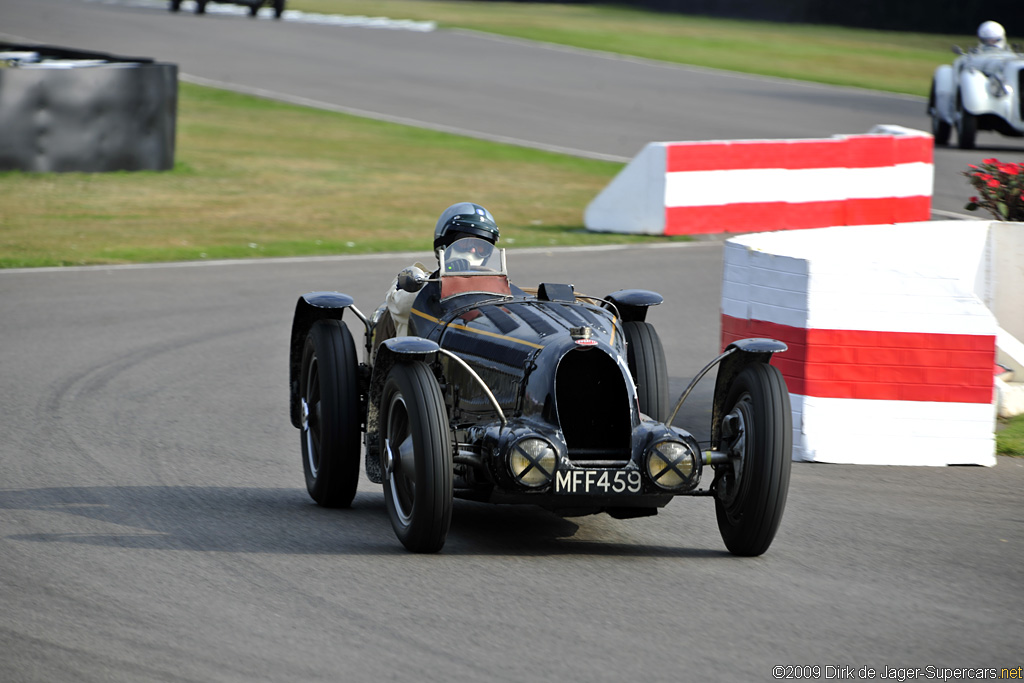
(154, 525)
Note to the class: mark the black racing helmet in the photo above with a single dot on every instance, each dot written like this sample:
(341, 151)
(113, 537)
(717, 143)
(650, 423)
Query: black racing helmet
(464, 219)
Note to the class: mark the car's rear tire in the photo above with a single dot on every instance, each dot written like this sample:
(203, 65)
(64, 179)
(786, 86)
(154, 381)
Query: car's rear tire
(254, 8)
(416, 448)
(201, 6)
(278, 8)
(966, 127)
(329, 392)
(757, 432)
(175, 5)
(646, 358)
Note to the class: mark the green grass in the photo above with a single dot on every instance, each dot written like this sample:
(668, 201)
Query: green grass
(1010, 437)
(882, 60)
(324, 183)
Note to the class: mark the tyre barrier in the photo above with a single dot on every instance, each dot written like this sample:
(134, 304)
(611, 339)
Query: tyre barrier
(71, 110)
(742, 186)
(892, 334)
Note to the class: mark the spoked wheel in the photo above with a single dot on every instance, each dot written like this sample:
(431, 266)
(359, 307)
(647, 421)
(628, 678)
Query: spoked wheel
(966, 127)
(329, 392)
(417, 454)
(646, 358)
(757, 433)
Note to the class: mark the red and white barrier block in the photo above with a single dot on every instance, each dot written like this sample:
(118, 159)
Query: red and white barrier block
(891, 353)
(741, 186)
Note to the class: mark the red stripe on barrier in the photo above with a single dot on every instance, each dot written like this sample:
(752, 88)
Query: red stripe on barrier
(764, 217)
(867, 151)
(745, 154)
(913, 149)
(877, 365)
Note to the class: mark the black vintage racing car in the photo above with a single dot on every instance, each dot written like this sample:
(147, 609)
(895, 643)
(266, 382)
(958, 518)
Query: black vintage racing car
(546, 397)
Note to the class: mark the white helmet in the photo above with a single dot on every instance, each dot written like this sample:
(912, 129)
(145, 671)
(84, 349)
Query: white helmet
(992, 34)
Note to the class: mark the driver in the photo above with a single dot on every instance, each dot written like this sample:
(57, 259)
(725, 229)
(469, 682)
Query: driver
(991, 36)
(464, 219)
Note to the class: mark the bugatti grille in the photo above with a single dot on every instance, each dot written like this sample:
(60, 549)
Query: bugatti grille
(593, 408)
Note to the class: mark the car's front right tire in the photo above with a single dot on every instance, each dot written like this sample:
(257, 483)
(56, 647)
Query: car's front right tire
(416, 450)
(940, 127)
(645, 356)
(940, 130)
(966, 127)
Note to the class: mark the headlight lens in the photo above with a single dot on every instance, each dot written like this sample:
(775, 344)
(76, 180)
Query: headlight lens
(670, 464)
(532, 462)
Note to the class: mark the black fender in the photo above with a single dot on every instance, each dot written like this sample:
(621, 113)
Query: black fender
(744, 353)
(310, 308)
(391, 351)
(398, 350)
(632, 304)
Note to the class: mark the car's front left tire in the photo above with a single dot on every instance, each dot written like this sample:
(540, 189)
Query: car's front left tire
(329, 395)
(416, 450)
(757, 433)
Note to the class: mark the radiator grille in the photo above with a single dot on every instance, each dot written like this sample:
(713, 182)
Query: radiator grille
(593, 408)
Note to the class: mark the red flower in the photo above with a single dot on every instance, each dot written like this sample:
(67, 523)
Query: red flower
(974, 200)
(1009, 169)
(993, 183)
(990, 161)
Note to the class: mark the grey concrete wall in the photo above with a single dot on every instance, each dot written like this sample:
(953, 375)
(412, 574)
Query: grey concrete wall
(119, 115)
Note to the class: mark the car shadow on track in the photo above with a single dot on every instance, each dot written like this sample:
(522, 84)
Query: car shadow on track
(285, 521)
(485, 529)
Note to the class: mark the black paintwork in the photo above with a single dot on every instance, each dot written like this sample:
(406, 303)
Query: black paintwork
(556, 365)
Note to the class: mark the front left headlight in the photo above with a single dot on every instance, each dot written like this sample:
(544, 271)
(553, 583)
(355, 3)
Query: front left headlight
(670, 464)
(532, 462)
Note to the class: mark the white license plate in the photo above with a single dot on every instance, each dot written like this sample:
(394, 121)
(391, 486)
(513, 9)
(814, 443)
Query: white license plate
(600, 482)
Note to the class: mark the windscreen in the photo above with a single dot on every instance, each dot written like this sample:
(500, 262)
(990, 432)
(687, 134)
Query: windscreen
(471, 255)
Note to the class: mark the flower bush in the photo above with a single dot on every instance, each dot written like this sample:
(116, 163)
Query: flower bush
(1000, 189)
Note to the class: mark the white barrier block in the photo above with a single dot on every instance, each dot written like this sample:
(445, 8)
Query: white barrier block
(758, 185)
(891, 351)
(634, 201)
